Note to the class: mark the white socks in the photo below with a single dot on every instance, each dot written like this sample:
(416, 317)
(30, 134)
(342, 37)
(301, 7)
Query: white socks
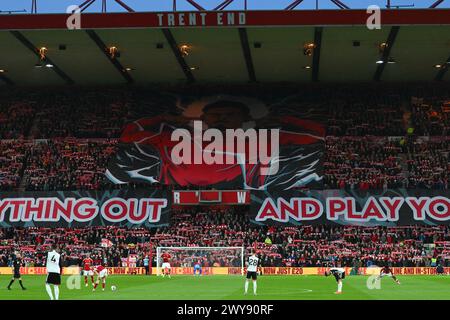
(254, 287)
(49, 291)
(340, 287)
(56, 292)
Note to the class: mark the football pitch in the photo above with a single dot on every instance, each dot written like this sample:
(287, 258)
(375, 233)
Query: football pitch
(231, 288)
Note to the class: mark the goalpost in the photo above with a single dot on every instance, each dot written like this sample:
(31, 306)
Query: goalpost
(186, 256)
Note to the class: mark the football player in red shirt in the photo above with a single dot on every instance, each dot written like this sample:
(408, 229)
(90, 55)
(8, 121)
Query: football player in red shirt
(386, 271)
(166, 265)
(87, 271)
(101, 273)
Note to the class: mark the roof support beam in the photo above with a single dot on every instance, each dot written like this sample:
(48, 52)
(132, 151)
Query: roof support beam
(196, 5)
(443, 70)
(223, 5)
(33, 6)
(293, 5)
(86, 4)
(176, 51)
(340, 4)
(22, 39)
(5, 79)
(386, 52)
(103, 48)
(316, 53)
(247, 54)
(124, 5)
(437, 3)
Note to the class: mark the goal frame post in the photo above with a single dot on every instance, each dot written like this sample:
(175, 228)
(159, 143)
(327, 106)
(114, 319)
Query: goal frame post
(160, 249)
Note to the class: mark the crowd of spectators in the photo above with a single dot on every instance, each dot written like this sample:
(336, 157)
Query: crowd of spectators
(302, 246)
(62, 140)
(374, 140)
(428, 162)
(350, 163)
(16, 118)
(431, 116)
(361, 120)
(362, 163)
(69, 164)
(12, 159)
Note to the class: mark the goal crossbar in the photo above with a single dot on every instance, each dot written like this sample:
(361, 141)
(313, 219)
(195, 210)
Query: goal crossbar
(159, 251)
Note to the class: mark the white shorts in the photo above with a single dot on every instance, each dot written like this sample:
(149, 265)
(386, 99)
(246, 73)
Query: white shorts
(166, 265)
(88, 273)
(103, 273)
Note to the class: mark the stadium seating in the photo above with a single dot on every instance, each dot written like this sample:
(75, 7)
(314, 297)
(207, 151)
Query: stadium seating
(68, 164)
(375, 140)
(288, 246)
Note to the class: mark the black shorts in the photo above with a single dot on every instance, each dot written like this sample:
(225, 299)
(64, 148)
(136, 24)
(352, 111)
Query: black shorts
(16, 275)
(339, 276)
(251, 275)
(53, 278)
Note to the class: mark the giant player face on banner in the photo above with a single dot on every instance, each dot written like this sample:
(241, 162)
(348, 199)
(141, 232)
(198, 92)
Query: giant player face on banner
(222, 142)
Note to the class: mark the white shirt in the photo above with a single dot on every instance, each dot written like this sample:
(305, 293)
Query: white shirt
(53, 262)
(340, 270)
(252, 264)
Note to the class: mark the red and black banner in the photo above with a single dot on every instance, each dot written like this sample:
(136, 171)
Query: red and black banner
(222, 142)
(151, 208)
(70, 209)
(392, 207)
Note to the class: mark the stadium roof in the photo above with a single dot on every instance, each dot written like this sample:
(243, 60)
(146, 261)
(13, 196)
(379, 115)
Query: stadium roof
(260, 46)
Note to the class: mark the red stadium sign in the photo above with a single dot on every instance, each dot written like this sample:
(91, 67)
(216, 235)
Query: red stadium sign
(226, 19)
(211, 197)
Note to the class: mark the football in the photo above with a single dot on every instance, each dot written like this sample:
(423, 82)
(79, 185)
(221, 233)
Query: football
(113, 288)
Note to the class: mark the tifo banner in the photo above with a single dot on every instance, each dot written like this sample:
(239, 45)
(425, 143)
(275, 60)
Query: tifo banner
(222, 142)
(127, 208)
(389, 207)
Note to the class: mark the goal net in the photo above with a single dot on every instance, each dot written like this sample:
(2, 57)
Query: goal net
(206, 257)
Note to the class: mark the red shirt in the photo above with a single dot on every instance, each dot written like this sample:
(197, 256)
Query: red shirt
(386, 270)
(87, 262)
(165, 257)
(210, 174)
(99, 268)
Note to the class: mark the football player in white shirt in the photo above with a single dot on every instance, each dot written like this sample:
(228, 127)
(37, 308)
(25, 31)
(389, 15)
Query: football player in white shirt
(252, 268)
(339, 275)
(53, 272)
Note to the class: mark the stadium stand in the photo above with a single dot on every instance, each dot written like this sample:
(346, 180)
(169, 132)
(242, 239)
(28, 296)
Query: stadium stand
(302, 246)
(53, 142)
(369, 140)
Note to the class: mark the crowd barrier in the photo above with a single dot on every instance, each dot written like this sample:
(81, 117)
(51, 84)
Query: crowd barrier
(265, 271)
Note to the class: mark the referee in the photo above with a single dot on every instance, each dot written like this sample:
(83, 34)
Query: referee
(17, 263)
(146, 265)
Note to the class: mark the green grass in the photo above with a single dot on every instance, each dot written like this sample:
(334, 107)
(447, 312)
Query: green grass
(231, 287)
